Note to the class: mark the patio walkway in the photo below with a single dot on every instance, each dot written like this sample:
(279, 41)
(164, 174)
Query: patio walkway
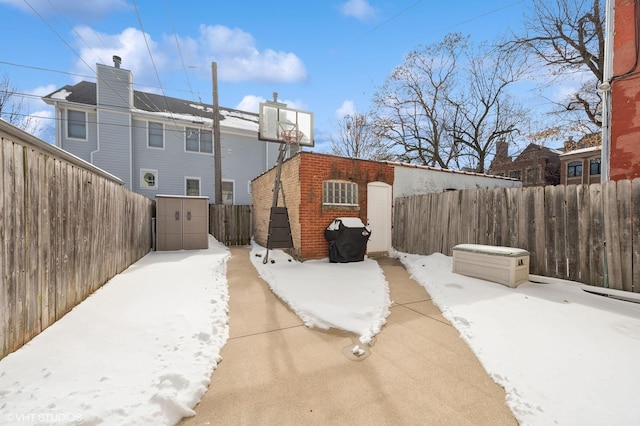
(276, 371)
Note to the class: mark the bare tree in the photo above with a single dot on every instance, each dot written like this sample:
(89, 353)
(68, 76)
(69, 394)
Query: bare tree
(568, 36)
(448, 104)
(411, 106)
(356, 139)
(12, 108)
(483, 110)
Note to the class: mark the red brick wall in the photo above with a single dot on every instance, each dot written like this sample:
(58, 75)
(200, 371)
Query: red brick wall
(314, 217)
(625, 97)
(302, 178)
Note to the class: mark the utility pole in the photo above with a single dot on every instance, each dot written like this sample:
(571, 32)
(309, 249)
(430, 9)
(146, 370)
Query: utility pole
(217, 161)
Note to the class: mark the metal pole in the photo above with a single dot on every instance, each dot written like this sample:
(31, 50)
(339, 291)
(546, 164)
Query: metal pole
(217, 161)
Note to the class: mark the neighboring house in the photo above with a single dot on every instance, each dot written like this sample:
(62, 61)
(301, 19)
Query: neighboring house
(581, 161)
(624, 156)
(158, 144)
(319, 188)
(535, 166)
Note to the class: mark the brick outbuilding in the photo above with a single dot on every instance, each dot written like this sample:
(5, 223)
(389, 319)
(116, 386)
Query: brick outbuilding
(318, 188)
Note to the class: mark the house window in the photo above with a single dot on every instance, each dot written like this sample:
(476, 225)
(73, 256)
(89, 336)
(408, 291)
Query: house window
(339, 193)
(198, 140)
(574, 169)
(594, 167)
(227, 192)
(515, 174)
(193, 187)
(76, 124)
(148, 179)
(533, 174)
(156, 135)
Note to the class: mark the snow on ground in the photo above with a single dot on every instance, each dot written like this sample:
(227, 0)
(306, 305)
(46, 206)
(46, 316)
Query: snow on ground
(139, 351)
(349, 296)
(563, 356)
(142, 348)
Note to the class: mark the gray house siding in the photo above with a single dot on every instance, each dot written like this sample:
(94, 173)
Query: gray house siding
(114, 145)
(114, 88)
(79, 148)
(172, 163)
(119, 144)
(243, 159)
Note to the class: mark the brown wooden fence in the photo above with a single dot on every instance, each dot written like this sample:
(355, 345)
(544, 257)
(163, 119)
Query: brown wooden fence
(66, 228)
(584, 233)
(231, 225)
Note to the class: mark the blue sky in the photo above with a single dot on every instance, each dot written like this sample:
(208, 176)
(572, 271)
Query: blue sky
(326, 57)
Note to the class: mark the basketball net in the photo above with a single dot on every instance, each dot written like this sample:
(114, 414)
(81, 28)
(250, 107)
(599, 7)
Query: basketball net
(292, 135)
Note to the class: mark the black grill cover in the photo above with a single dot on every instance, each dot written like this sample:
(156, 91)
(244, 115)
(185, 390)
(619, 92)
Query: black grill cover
(347, 240)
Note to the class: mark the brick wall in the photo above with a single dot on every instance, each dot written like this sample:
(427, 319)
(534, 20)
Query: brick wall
(262, 200)
(302, 177)
(625, 96)
(314, 217)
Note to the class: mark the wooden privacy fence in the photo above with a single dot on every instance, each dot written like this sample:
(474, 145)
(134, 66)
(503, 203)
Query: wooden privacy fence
(230, 224)
(66, 228)
(584, 233)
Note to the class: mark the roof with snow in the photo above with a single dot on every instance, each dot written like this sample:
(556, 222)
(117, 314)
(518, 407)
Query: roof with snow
(165, 106)
(583, 150)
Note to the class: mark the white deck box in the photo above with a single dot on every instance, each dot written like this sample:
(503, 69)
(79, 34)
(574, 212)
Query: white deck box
(504, 265)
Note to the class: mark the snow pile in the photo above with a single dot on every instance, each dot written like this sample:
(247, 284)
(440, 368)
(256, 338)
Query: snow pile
(563, 356)
(348, 296)
(140, 350)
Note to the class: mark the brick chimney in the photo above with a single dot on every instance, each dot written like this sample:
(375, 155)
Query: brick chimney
(502, 150)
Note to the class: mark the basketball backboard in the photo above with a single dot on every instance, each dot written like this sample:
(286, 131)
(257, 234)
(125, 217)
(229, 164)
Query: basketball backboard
(277, 124)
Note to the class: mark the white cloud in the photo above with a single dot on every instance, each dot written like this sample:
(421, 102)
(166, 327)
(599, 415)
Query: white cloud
(347, 108)
(41, 115)
(359, 9)
(250, 103)
(238, 58)
(234, 51)
(75, 9)
(130, 45)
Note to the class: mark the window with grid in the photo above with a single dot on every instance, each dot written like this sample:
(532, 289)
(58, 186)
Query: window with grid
(156, 135)
(339, 193)
(198, 140)
(574, 169)
(594, 167)
(77, 124)
(515, 174)
(227, 192)
(533, 174)
(193, 187)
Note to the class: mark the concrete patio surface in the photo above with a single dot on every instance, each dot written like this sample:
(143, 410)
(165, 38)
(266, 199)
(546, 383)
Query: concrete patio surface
(276, 371)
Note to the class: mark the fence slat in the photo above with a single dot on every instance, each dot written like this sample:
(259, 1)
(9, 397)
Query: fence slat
(623, 201)
(635, 237)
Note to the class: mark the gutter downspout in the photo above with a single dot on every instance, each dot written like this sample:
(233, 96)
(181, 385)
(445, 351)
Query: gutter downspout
(605, 87)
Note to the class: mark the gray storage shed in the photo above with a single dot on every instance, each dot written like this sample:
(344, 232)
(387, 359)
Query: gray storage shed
(182, 222)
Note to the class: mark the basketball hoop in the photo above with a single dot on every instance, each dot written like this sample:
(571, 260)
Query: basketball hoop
(292, 135)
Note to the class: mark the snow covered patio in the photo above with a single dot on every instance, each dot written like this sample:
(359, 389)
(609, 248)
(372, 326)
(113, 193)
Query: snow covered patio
(276, 371)
(143, 349)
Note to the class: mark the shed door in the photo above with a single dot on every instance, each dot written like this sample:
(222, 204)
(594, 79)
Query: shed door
(169, 224)
(379, 197)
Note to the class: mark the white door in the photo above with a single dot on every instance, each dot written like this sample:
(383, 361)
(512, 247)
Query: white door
(379, 198)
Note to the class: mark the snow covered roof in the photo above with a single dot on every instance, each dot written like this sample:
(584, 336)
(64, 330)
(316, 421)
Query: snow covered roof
(583, 150)
(162, 106)
(437, 169)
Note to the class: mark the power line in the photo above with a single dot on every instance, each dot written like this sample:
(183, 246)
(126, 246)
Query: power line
(186, 75)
